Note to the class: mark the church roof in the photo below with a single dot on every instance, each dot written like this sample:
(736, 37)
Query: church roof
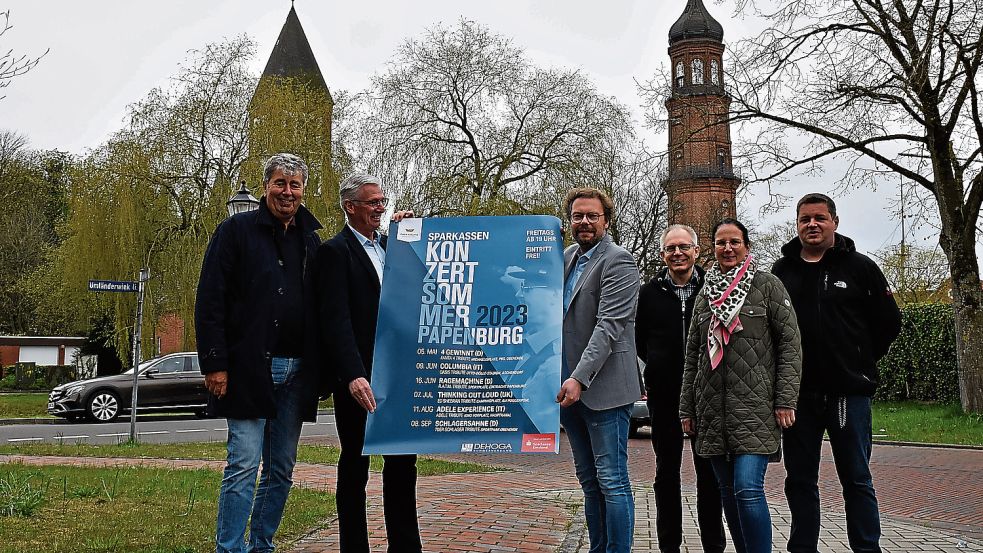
(292, 55)
(696, 22)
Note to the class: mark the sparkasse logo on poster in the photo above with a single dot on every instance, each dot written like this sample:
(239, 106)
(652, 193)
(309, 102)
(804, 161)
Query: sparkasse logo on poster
(538, 443)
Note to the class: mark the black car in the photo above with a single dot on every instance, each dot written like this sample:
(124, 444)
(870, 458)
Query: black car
(639, 416)
(168, 383)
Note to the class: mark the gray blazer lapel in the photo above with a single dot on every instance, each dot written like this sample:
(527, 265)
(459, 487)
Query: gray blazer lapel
(592, 264)
(568, 256)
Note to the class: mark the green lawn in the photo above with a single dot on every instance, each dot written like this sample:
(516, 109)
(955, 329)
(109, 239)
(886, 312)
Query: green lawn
(139, 509)
(306, 453)
(911, 421)
(144, 509)
(15, 406)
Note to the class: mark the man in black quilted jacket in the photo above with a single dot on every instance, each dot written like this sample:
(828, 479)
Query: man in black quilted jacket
(665, 307)
(848, 319)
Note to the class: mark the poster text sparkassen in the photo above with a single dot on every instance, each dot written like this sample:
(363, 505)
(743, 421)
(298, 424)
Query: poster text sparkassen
(446, 316)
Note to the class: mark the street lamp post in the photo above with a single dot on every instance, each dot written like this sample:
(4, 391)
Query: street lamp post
(242, 201)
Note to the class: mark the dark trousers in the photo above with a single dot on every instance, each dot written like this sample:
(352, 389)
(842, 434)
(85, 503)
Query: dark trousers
(667, 441)
(847, 421)
(398, 486)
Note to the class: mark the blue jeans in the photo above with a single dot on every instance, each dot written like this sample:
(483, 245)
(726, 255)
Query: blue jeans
(599, 442)
(742, 489)
(847, 421)
(274, 441)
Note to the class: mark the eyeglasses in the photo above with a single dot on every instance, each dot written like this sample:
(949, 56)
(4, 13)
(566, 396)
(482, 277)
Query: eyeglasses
(381, 202)
(591, 217)
(681, 247)
(733, 243)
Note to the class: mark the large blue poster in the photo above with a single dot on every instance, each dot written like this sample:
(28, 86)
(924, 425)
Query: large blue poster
(467, 349)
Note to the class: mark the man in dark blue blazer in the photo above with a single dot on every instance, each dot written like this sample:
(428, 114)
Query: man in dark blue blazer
(349, 274)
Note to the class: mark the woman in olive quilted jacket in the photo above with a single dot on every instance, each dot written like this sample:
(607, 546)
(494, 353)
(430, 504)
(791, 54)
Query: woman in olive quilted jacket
(741, 380)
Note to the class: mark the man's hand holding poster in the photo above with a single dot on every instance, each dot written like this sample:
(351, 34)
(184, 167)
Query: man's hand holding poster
(467, 350)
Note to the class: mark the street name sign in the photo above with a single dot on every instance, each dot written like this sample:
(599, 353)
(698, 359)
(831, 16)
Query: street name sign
(113, 286)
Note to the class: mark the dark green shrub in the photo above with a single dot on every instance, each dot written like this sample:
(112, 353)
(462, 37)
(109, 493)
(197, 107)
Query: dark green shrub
(921, 364)
(37, 378)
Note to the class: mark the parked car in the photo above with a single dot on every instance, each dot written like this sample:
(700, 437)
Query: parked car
(172, 382)
(639, 416)
(639, 409)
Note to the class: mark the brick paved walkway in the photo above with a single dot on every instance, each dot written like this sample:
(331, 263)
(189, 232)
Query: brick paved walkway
(931, 500)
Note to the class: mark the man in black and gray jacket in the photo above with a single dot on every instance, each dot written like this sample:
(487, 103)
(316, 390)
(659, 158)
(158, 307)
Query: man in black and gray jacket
(665, 307)
(848, 318)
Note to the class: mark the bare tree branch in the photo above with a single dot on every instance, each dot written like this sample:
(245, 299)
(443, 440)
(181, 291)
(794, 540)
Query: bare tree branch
(12, 65)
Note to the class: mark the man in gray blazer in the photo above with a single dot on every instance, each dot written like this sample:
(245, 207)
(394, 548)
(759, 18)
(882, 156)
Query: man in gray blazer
(600, 372)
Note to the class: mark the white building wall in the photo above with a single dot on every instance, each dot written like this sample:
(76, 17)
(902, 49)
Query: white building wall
(70, 354)
(41, 355)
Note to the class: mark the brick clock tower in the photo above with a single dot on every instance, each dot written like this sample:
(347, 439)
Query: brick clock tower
(701, 183)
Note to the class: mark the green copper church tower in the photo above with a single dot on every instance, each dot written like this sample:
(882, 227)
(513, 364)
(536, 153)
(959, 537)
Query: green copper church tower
(291, 110)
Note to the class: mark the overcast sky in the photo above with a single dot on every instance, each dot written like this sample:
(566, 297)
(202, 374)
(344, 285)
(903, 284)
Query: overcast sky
(106, 54)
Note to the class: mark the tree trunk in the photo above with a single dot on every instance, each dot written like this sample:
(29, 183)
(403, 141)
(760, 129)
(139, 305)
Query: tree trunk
(968, 306)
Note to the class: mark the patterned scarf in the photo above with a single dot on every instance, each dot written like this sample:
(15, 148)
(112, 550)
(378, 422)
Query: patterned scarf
(726, 293)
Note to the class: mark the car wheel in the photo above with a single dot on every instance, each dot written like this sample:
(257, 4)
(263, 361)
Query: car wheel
(104, 406)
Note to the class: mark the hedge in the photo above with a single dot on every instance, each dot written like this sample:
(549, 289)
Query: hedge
(36, 377)
(921, 364)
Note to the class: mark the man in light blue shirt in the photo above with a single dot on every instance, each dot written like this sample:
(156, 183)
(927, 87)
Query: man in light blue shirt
(373, 249)
(600, 372)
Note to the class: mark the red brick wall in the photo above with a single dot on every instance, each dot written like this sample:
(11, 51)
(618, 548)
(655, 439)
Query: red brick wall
(701, 186)
(9, 355)
(170, 333)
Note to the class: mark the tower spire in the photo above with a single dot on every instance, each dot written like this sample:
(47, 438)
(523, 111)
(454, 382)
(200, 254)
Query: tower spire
(292, 56)
(695, 22)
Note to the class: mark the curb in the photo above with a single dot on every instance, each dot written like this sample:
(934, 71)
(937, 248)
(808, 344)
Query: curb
(576, 532)
(876, 441)
(923, 444)
(125, 418)
(122, 418)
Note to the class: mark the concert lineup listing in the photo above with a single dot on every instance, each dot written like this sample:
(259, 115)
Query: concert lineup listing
(467, 350)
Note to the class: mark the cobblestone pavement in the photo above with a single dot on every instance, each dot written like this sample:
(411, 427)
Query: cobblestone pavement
(931, 501)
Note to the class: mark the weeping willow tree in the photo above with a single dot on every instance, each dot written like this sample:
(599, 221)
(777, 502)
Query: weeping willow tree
(153, 193)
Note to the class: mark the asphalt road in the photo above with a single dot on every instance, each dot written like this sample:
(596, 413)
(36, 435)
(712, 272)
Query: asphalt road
(153, 431)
